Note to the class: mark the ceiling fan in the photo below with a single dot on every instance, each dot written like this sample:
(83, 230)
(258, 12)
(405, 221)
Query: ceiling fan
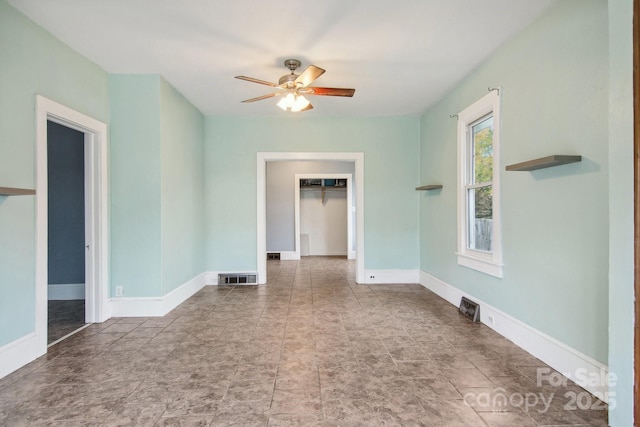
(292, 87)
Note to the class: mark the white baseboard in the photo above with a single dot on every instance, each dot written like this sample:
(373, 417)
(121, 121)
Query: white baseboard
(339, 253)
(65, 291)
(20, 352)
(156, 306)
(295, 256)
(391, 276)
(211, 278)
(573, 364)
(289, 256)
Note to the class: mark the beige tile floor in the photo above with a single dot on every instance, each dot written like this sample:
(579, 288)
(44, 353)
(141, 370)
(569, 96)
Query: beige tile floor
(311, 348)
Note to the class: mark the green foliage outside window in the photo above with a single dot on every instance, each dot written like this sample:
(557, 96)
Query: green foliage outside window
(483, 166)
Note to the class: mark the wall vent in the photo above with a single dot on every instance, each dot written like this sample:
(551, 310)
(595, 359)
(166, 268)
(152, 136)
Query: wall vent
(470, 309)
(237, 279)
(273, 256)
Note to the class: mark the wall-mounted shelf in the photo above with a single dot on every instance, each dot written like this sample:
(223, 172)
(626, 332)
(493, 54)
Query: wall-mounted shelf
(429, 187)
(544, 162)
(10, 191)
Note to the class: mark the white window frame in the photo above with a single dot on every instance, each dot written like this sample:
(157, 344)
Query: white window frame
(485, 262)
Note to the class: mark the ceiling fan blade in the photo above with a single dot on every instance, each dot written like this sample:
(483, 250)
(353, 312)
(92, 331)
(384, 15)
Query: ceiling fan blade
(259, 98)
(251, 79)
(328, 91)
(309, 75)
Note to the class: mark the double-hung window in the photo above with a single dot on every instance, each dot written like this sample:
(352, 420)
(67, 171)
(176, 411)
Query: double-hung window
(479, 230)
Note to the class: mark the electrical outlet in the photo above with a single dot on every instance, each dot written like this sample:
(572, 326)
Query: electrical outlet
(119, 291)
(490, 319)
(372, 277)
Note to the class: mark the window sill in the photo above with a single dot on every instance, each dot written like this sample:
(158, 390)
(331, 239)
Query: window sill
(482, 265)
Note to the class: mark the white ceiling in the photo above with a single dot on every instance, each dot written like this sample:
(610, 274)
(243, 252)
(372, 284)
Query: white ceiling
(401, 56)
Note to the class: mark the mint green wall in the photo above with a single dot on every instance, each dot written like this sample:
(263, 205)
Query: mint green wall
(621, 269)
(555, 221)
(32, 62)
(135, 133)
(391, 173)
(156, 186)
(182, 189)
(568, 231)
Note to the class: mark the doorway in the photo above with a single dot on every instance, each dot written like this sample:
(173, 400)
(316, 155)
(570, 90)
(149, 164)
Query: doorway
(95, 245)
(325, 207)
(66, 231)
(261, 238)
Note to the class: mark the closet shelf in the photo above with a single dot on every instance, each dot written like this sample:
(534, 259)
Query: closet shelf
(321, 188)
(544, 162)
(429, 187)
(11, 191)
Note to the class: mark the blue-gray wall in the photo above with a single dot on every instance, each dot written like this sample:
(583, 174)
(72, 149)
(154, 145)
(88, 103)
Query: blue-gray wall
(65, 172)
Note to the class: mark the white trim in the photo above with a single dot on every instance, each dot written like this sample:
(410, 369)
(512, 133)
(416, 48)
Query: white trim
(157, 306)
(491, 262)
(261, 226)
(289, 255)
(18, 353)
(349, 178)
(484, 265)
(391, 276)
(65, 291)
(554, 353)
(211, 278)
(97, 308)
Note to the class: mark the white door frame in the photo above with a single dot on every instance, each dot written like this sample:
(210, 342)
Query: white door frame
(261, 178)
(350, 252)
(97, 304)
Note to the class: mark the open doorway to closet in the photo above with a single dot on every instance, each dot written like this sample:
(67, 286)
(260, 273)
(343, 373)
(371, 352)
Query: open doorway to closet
(324, 207)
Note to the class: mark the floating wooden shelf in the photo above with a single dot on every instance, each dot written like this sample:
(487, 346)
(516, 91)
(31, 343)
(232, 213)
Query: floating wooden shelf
(544, 162)
(10, 191)
(429, 187)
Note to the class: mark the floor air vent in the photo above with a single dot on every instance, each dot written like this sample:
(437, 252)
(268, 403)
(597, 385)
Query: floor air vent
(237, 279)
(273, 256)
(470, 309)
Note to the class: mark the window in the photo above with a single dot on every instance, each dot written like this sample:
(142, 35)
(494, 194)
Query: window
(479, 244)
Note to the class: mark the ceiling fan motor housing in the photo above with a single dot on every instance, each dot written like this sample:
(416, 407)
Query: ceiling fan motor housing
(288, 80)
(292, 64)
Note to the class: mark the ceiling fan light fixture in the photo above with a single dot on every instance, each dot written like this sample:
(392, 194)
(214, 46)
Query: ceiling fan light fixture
(293, 102)
(299, 104)
(287, 101)
(292, 86)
